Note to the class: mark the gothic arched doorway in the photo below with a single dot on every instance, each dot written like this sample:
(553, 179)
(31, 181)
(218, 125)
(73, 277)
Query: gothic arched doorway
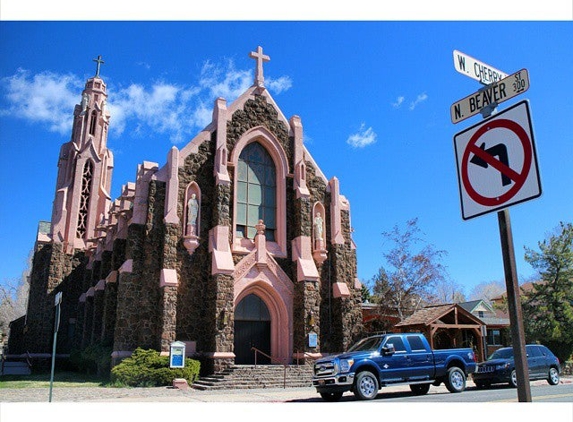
(252, 329)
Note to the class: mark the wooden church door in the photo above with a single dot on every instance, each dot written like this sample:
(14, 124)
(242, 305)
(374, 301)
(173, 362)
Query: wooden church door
(252, 329)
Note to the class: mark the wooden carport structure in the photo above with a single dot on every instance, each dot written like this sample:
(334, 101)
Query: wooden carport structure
(447, 326)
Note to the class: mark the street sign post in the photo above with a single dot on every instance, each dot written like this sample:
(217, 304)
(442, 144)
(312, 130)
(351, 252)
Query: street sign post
(475, 69)
(497, 162)
(490, 96)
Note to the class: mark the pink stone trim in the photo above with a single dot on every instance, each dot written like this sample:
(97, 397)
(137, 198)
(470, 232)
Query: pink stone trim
(126, 267)
(222, 262)
(280, 306)
(171, 216)
(340, 289)
(300, 166)
(100, 286)
(144, 173)
(90, 292)
(335, 215)
(302, 254)
(82, 298)
(220, 118)
(276, 290)
(112, 277)
(357, 284)
(219, 355)
(168, 277)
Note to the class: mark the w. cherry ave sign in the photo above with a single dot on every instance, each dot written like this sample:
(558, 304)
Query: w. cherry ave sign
(475, 69)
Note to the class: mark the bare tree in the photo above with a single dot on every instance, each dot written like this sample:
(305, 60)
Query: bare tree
(14, 299)
(406, 283)
(488, 290)
(448, 291)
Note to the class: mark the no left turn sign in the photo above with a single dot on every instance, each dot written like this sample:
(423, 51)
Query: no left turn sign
(497, 162)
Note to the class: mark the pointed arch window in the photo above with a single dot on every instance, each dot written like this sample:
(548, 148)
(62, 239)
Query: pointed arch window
(256, 192)
(93, 119)
(85, 196)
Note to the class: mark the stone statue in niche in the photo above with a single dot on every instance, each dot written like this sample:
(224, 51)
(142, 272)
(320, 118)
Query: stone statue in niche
(192, 213)
(318, 228)
(84, 103)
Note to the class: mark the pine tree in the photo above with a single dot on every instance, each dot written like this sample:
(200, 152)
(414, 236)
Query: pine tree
(548, 308)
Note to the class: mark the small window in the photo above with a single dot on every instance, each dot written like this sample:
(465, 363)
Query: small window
(480, 314)
(494, 337)
(416, 343)
(398, 344)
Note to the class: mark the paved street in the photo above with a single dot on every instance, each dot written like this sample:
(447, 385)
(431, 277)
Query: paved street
(169, 394)
(300, 404)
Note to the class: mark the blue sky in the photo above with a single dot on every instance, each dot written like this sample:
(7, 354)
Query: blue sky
(374, 98)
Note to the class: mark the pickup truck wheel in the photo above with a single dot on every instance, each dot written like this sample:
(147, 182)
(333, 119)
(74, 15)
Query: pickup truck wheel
(331, 396)
(455, 380)
(420, 389)
(366, 387)
(553, 378)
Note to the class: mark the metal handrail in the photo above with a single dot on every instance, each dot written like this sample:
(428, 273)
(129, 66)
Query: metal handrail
(271, 359)
(305, 354)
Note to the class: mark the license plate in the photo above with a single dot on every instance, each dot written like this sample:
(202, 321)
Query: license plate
(321, 382)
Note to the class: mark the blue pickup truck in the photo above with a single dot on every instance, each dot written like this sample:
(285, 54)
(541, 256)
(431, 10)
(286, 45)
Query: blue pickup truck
(391, 359)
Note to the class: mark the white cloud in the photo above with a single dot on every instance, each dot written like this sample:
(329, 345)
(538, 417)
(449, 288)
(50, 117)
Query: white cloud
(44, 98)
(420, 99)
(362, 138)
(284, 83)
(163, 108)
(398, 102)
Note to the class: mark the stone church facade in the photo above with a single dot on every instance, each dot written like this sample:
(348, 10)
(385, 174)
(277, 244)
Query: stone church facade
(238, 241)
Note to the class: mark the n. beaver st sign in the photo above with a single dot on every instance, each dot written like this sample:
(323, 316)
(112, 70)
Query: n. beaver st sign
(497, 162)
(492, 94)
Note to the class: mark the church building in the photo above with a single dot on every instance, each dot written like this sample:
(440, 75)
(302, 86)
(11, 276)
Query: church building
(237, 245)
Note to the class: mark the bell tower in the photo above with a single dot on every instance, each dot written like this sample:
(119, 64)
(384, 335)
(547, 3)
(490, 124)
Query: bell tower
(84, 171)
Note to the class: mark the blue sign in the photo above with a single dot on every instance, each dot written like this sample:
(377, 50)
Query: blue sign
(312, 340)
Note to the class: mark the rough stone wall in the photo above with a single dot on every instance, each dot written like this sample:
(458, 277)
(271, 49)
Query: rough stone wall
(340, 319)
(139, 296)
(52, 271)
(193, 322)
(257, 112)
(110, 293)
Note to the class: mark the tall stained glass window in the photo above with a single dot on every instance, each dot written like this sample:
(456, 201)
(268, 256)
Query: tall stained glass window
(256, 192)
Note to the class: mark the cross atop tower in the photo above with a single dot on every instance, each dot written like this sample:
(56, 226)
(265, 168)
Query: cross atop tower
(260, 57)
(99, 62)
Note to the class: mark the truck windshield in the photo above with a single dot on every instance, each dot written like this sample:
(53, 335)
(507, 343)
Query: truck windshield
(367, 345)
(502, 354)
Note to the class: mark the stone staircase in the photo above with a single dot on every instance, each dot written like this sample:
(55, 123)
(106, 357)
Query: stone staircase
(260, 376)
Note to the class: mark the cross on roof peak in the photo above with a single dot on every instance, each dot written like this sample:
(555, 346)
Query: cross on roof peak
(99, 62)
(260, 57)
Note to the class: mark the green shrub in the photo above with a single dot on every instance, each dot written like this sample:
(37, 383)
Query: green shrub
(146, 368)
(94, 359)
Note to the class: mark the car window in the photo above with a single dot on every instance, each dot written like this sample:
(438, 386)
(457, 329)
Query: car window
(416, 343)
(397, 342)
(533, 351)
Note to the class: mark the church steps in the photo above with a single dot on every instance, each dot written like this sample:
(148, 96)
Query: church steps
(260, 376)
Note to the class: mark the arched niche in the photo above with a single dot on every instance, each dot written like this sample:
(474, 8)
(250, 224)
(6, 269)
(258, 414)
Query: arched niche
(192, 209)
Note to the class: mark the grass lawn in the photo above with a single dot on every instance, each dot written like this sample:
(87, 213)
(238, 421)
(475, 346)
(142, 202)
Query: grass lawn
(61, 379)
